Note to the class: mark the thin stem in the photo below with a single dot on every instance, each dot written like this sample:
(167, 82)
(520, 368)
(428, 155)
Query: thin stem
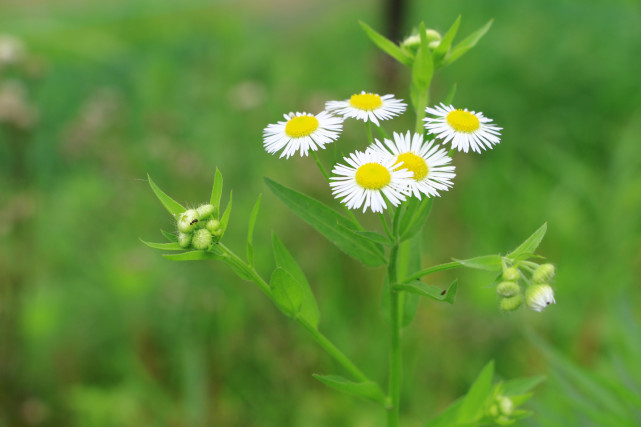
(430, 270)
(370, 138)
(321, 339)
(320, 165)
(394, 388)
(385, 226)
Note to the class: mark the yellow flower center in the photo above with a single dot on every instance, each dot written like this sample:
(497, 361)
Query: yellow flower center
(463, 121)
(373, 176)
(301, 126)
(366, 101)
(413, 163)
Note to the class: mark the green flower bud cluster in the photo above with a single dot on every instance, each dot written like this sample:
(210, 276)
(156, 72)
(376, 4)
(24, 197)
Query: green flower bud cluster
(500, 410)
(410, 44)
(198, 229)
(538, 293)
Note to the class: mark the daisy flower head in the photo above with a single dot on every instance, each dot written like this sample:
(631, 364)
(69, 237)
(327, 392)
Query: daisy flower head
(465, 129)
(368, 107)
(368, 177)
(302, 132)
(428, 163)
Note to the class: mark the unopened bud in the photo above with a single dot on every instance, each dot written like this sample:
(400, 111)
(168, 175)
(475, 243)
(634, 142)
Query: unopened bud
(511, 274)
(506, 405)
(184, 239)
(543, 274)
(187, 221)
(205, 211)
(213, 225)
(411, 43)
(508, 289)
(539, 296)
(511, 303)
(202, 239)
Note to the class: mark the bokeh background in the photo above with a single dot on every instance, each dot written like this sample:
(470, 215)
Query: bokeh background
(98, 330)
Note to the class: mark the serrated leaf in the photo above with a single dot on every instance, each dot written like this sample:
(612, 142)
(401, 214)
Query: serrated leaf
(335, 227)
(250, 230)
(472, 405)
(521, 385)
(287, 292)
(466, 44)
(367, 389)
(172, 206)
(485, 262)
(417, 218)
(224, 221)
(430, 291)
(173, 246)
(530, 244)
(169, 236)
(216, 193)
(192, 256)
(444, 46)
(309, 308)
(386, 45)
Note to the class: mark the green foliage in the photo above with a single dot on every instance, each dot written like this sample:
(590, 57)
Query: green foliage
(216, 193)
(367, 390)
(172, 206)
(433, 292)
(466, 44)
(386, 45)
(287, 292)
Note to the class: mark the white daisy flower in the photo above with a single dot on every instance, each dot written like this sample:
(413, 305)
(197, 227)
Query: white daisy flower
(426, 161)
(368, 107)
(302, 132)
(466, 129)
(367, 179)
(539, 296)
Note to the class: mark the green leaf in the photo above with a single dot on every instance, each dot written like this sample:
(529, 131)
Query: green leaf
(224, 221)
(450, 95)
(485, 262)
(468, 43)
(250, 230)
(430, 291)
(173, 246)
(287, 292)
(374, 237)
(172, 206)
(447, 418)
(472, 406)
(216, 193)
(521, 385)
(530, 244)
(169, 236)
(415, 216)
(423, 67)
(366, 389)
(443, 47)
(309, 308)
(386, 45)
(336, 228)
(192, 256)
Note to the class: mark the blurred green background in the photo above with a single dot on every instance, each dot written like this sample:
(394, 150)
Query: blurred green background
(98, 330)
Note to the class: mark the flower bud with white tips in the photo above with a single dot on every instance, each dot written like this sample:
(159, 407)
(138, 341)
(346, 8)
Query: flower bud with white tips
(205, 211)
(184, 239)
(511, 274)
(508, 289)
(202, 239)
(187, 221)
(544, 273)
(539, 296)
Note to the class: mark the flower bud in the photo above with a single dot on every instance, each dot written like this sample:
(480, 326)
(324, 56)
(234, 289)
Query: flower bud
(539, 296)
(511, 274)
(506, 405)
(511, 303)
(187, 221)
(184, 239)
(543, 274)
(202, 239)
(508, 289)
(213, 225)
(205, 211)
(411, 43)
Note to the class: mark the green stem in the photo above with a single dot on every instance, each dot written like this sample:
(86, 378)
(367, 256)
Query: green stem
(385, 226)
(394, 388)
(370, 138)
(430, 270)
(320, 165)
(321, 339)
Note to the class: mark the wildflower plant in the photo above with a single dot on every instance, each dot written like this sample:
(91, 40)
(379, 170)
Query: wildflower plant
(396, 177)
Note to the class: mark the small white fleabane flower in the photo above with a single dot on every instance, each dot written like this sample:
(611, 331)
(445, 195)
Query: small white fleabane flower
(426, 161)
(539, 296)
(367, 179)
(302, 132)
(465, 129)
(368, 107)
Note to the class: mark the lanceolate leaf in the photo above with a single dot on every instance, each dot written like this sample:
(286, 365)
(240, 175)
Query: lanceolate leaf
(216, 193)
(169, 236)
(485, 262)
(430, 291)
(468, 43)
(415, 217)
(224, 221)
(521, 386)
(473, 402)
(367, 389)
(173, 246)
(309, 309)
(172, 206)
(530, 244)
(446, 41)
(192, 256)
(386, 45)
(287, 293)
(335, 227)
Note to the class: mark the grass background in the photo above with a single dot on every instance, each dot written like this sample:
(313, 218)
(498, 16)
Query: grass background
(98, 330)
